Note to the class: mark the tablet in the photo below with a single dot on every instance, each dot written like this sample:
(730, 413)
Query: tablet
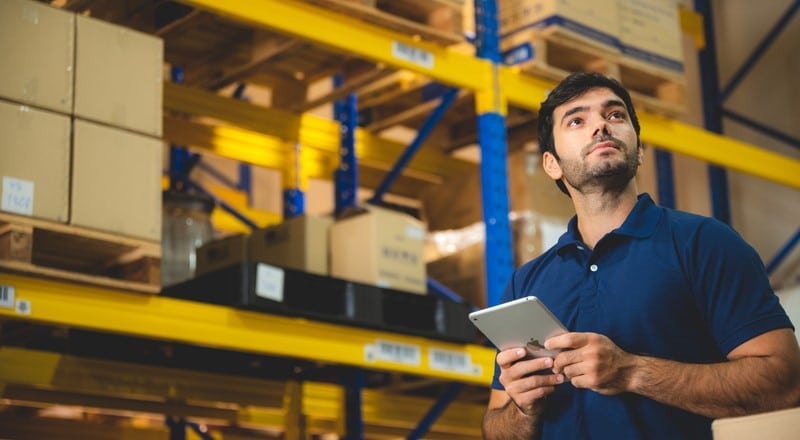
(523, 322)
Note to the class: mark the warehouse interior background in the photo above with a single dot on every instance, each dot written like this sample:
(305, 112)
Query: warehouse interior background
(250, 117)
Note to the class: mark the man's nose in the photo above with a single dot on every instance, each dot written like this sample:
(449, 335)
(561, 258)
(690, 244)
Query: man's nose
(601, 128)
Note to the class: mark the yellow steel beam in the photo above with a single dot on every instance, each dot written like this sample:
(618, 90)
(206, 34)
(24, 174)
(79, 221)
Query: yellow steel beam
(72, 374)
(351, 35)
(528, 92)
(60, 429)
(269, 152)
(719, 150)
(312, 132)
(73, 380)
(228, 328)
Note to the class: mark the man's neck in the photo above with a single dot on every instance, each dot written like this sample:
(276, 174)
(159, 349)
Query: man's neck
(601, 212)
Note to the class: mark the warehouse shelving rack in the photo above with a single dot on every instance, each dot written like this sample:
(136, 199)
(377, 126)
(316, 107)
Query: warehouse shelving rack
(265, 144)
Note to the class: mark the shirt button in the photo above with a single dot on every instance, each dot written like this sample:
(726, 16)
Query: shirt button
(580, 248)
(593, 268)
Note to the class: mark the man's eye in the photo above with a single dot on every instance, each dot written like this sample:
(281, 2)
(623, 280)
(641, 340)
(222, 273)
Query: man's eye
(573, 122)
(616, 115)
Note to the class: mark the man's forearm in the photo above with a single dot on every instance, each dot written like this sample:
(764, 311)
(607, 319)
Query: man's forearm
(726, 389)
(508, 422)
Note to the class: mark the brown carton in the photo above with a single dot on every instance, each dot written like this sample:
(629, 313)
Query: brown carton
(298, 243)
(34, 162)
(380, 247)
(221, 253)
(457, 203)
(116, 181)
(37, 54)
(118, 76)
(774, 425)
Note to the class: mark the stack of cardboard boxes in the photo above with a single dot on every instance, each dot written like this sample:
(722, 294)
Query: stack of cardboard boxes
(80, 120)
(639, 42)
(645, 30)
(374, 246)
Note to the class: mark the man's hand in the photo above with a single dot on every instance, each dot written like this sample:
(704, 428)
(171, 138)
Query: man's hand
(593, 361)
(526, 388)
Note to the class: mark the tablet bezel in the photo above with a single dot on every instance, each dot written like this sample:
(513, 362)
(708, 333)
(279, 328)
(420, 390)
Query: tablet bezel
(524, 322)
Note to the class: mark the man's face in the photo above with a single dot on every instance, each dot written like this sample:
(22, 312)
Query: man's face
(595, 141)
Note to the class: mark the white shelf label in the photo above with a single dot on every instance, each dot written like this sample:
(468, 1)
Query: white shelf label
(412, 54)
(269, 282)
(396, 352)
(452, 361)
(7, 297)
(17, 196)
(23, 307)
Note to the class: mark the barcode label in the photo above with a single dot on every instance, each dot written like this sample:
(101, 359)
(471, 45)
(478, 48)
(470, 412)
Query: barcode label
(412, 54)
(7, 297)
(396, 352)
(454, 361)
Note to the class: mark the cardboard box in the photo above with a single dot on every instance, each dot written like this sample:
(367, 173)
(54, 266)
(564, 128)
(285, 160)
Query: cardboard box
(37, 54)
(221, 253)
(464, 272)
(298, 243)
(34, 162)
(380, 247)
(774, 425)
(118, 76)
(596, 21)
(116, 181)
(456, 203)
(650, 31)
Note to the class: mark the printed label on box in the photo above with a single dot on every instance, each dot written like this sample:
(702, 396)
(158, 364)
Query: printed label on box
(269, 282)
(17, 196)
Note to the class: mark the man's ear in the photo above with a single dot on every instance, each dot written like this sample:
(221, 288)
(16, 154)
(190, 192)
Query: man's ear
(551, 166)
(640, 153)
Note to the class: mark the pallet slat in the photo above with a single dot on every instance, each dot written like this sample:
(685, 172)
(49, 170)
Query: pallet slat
(65, 252)
(554, 53)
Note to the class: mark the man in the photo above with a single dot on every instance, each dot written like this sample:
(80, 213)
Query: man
(673, 322)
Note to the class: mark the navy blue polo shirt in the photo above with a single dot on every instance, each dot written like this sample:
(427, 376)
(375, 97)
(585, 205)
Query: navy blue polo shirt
(666, 283)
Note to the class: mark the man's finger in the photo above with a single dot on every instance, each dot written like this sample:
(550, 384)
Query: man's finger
(507, 357)
(565, 341)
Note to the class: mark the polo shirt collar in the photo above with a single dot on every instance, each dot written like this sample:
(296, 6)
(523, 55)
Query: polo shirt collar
(642, 220)
(641, 223)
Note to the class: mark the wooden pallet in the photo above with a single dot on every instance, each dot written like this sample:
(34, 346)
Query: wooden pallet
(86, 256)
(438, 21)
(558, 52)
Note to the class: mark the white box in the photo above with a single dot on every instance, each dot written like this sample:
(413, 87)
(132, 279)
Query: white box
(118, 76)
(34, 162)
(380, 247)
(37, 50)
(650, 31)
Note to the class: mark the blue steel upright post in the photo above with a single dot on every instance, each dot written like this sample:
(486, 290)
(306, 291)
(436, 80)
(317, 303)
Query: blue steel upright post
(494, 180)
(180, 160)
(294, 199)
(346, 176)
(345, 187)
(712, 111)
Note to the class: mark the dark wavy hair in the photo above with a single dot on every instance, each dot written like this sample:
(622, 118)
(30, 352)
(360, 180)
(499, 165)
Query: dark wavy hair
(571, 87)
